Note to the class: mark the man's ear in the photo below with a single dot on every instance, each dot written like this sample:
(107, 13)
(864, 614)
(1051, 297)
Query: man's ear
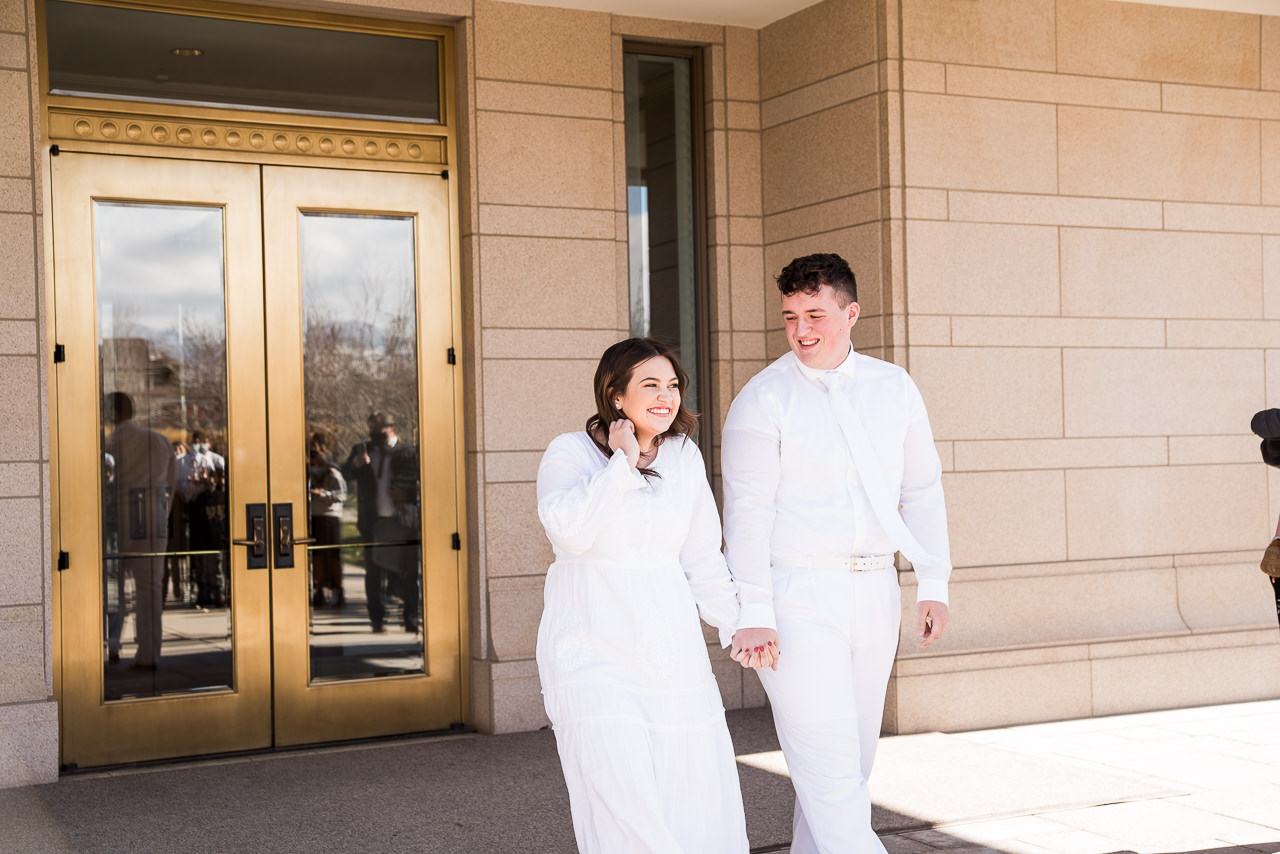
(854, 311)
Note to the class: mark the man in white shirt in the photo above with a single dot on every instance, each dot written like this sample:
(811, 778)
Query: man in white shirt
(829, 469)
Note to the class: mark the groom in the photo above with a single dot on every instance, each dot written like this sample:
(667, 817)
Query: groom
(829, 469)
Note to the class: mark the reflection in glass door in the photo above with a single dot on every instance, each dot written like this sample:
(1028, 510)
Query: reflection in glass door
(166, 579)
(360, 371)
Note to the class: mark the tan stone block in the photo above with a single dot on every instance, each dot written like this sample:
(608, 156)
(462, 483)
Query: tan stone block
(1005, 517)
(574, 102)
(746, 230)
(926, 204)
(548, 343)
(1164, 509)
(1164, 392)
(748, 287)
(833, 36)
(1226, 596)
(949, 143)
(517, 697)
(744, 172)
(18, 338)
(1214, 101)
(743, 371)
(516, 542)
(539, 44)
(1056, 332)
(946, 455)
(1271, 162)
(629, 26)
(1157, 156)
(1113, 273)
(1053, 210)
(1052, 88)
(13, 16)
(1199, 450)
(1006, 33)
(990, 392)
(512, 467)
(522, 423)
(533, 282)
(1011, 454)
(977, 699)
(515, 609)
(17, 266)
(1272, 361)
(924, 76)
(1270, 52)
(1250, 219)
(15, 130)
(29, 744)
(1248, 334)
(15, 195)
(13, 51)
(1197, 678)
(19, 480)
(1150, 42)
(545, 160)
(775, 344)
(860, 246)
(1271, 277)
(22, 679)
(517, 220)
(748, 345)
(19, 408)
(742, 63)
(820, 157)
(819, 97)
(856, 209)
(926, 330)
(742, 115)
(979, 268)
(21, 566)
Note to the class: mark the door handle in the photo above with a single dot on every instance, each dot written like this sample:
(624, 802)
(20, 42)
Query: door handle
(256, 523)
(283, 514)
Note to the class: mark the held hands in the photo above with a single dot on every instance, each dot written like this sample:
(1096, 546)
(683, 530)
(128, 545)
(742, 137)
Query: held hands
(622, 434)
(931, 621)
(756, 648)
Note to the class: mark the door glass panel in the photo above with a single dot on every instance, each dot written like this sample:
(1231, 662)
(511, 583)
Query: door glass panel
(360, 370)
(166, 593)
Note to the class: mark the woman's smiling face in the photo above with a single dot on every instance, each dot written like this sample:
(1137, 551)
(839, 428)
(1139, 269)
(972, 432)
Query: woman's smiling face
(651, 399)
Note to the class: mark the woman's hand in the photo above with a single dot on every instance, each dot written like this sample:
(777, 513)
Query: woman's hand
(756, 648)
(622, 434)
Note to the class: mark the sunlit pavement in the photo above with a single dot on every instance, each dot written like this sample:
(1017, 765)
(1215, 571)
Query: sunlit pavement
(1190, 780)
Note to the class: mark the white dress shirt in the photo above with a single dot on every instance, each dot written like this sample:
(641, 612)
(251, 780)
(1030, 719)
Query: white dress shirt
(791, 488)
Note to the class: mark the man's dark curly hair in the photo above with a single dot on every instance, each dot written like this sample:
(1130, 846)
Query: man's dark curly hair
(810, 272)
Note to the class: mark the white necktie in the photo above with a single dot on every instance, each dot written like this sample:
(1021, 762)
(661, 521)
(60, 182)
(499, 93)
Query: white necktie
(883, 501)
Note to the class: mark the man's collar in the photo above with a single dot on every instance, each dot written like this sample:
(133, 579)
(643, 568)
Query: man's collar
(848, 367)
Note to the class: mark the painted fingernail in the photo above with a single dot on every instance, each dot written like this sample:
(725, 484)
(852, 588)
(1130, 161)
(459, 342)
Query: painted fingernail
(770, 643)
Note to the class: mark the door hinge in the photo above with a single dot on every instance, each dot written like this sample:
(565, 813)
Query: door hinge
(59, 353)
(457, 542)
(445, 174)
(54, 151)
(64, 561)
(452, 357)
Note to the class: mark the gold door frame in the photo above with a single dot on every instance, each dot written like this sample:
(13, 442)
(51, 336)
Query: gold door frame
(143, 130)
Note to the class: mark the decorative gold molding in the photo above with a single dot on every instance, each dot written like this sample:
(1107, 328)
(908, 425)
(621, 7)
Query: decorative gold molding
(245, 137)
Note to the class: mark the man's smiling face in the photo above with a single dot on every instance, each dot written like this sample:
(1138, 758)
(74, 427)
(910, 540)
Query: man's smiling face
(818, 327)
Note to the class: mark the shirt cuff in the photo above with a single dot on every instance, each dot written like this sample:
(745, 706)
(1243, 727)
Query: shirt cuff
(757, 617)
(630, 479)
(932, 590)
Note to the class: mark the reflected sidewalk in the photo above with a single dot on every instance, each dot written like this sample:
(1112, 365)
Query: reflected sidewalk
(1189, 780)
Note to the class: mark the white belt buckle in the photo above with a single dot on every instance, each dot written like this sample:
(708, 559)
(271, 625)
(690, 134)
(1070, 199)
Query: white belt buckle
(866, 563)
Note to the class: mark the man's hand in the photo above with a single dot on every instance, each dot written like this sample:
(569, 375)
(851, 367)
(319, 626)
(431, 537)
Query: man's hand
(931, 621)
(756, 648)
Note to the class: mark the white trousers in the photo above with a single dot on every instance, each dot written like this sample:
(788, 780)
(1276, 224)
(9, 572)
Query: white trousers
(838, 633)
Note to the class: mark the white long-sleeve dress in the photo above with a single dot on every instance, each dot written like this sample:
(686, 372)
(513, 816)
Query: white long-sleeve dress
(625, 675)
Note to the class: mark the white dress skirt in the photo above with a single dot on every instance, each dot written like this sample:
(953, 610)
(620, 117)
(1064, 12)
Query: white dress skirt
(625, 675)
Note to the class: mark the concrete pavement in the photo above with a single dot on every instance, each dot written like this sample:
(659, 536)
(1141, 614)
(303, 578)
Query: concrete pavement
(1173, 782)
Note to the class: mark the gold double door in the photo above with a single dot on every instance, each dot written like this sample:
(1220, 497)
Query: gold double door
(256, 456)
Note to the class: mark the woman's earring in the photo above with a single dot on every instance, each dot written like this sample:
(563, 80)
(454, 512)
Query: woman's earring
(617, 405)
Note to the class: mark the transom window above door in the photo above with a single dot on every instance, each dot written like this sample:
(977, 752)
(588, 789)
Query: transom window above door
(134, 54)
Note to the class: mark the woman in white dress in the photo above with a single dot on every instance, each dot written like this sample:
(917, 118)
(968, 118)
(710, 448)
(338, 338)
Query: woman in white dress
(625, 675)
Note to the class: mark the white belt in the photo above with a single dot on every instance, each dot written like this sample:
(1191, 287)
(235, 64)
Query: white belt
(853, 563)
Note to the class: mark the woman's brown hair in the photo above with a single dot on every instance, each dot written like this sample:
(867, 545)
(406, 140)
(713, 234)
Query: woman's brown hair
(613, 374)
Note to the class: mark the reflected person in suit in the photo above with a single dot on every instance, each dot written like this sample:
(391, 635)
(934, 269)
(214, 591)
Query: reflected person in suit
(385, 474)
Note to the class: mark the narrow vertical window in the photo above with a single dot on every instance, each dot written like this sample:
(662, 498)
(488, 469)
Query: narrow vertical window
(662, 206)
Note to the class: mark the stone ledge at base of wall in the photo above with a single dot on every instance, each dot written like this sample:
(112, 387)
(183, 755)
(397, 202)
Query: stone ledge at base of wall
(28, 743)
(992, 689)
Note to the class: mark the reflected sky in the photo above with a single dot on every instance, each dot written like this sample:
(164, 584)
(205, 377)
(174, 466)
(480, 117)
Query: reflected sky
(358, 268)
(155, 265)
